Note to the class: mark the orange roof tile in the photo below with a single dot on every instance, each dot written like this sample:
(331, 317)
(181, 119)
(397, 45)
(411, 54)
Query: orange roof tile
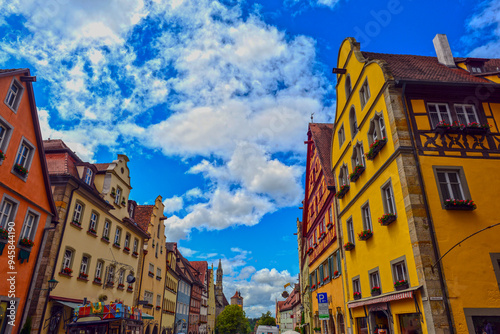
(322, 137)
(142, 216)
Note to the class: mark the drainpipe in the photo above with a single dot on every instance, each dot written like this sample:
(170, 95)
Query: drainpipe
(427, 211)
(57, 257)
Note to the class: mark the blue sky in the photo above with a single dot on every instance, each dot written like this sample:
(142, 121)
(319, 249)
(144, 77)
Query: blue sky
(211, 101)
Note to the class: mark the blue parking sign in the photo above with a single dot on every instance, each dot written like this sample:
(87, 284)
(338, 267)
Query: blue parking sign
(322, 298)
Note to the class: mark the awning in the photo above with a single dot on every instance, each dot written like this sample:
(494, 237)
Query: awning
(68, 304)
(384, 298)
(147, 316)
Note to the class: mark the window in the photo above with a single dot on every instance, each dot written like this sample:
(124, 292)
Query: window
(88, 176)
(111, 274)
(343, 175)
(131, 210)
(353, 122)
(466, 113)
(476, 69)
(121, 276)
(348, 86)
(158, 272)
(14, 95)
(377, 129)
(367, 218)
(495, 260)
(356, 287)
(364, 94)
(399, 271)
(127, 240)
(30, 224)
(321, 274)
(98, 269)
(84, 266)
(67, 259)
(158, 300)
(136, 244)
(151, 268)
(118, 195)
(105, 230)
(7, 212)
(117, 236)
(449, 183)
(350, 230)
(93, 221)
(24, 156)
(374, 279)
(358, 156)
(159, 227)
(148, 296)
(438, 112)
(77, 214)
(388, 198)
(5, 133)
(341, 134)
(322, 226)
(330, 215)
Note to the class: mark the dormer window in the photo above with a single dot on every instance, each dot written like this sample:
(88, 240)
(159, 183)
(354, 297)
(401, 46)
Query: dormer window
(88, 176)
(475, 66)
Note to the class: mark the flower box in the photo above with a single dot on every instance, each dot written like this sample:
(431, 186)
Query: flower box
(76, 224)
(376, 291)
(322, 236)
(476, 128)
(326, 278)
(375, 147)
(342, 191)
(386, 219)
(4, 234)
(401, 285)
(2, 155)
(358, 170)
(348, 246)
(158, 278)
(151, 274)
(130, 288)
(124, 203)
(329, 226)
(105, 239)
(82, 279)
(135, 254)
(121, 286)
(92, 233)
(26, 242)
(148, 306)
(158, 307)
(116, 245)
(20, 170)
(97, 281)
(356, 295)
(310, 250)
(62, 273)
(67, 271)
(24, 254)
(365, 235)
(313, 286)
(444, 127)
(459, 204)
(110, 284)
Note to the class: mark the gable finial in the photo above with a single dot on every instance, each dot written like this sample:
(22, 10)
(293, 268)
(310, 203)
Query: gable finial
(312, 118)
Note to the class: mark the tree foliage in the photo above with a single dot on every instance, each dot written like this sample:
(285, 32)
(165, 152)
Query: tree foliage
(267, 319)
(232, 321)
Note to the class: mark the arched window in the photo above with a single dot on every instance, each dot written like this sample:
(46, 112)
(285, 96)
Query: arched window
(348, 87)
(358, 156)
(377, 129)
(353, 122)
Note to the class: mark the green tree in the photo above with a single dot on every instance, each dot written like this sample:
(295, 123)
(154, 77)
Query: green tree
(267, 319)
(232, 321)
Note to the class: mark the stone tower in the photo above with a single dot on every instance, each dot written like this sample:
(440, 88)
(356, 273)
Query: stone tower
(218, 282)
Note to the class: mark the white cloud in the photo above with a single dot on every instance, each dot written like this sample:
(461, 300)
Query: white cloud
(173, 204)
(312, 3)
(186, 252)
(485, 22)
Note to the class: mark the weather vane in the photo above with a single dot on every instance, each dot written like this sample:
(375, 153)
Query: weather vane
(312, 118)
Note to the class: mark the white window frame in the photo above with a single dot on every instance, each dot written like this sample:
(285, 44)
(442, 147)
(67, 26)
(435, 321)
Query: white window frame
(106, 228)
(118, 195)
(24, 145)
(356, 286)
(399, 270)
(448, 184)
(374, 279)
(88, 176)
(98, 269)
(343, 175)
(358, 156)
(367, 217)
(84, 266)
(350, 230)
(5, 218)
(30, 225)
(14, 105)
(118, 232)
(341, 135)
(5, 135)
(94, 217)
(136, 245)
(463, 113)
(67, 258)
(78, 212)
(121, 276)
(377, 129)
(127, 240)
(388, 198)
(438, 113)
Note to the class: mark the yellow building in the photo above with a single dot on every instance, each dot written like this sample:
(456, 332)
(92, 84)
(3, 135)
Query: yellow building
(171, 283)
(95, 256)
(211, 301)
(152, 278)
(320, 232)
(408, 137)
(305, 289)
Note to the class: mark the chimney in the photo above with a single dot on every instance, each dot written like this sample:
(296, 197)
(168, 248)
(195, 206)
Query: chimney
(443, 50)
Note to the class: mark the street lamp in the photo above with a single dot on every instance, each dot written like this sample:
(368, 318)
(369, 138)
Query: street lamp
(52, 284)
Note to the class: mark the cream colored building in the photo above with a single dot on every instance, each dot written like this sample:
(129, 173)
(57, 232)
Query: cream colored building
(171, 283)
(152, 283)
(211, 301)
(97, 251)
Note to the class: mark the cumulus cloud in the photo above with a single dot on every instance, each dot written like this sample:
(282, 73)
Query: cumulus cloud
(312, 3)
(485, 22)
(173, 204)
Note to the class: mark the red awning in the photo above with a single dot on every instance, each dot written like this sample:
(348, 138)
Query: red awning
(382, 299)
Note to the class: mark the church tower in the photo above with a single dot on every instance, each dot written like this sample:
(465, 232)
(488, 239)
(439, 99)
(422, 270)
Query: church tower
(218, 282)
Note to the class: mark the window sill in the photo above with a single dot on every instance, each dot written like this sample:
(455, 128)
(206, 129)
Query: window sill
(22, 176)
(83, 279)
(460, 208)
(78, 226)
(105, 240)
(135, 254)
(92, 234)
(125, 250)
(116, 246)
(65, 275)
(96, 282)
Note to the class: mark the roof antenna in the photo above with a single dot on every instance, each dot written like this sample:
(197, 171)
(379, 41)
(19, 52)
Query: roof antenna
(312, 118)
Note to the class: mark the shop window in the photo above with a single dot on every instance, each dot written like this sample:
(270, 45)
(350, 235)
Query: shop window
(410, 323)
(362, 324)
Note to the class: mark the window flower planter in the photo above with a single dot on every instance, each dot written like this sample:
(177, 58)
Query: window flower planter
(322, 236)
(348, 246)
(151, 274)
(365, 235)
(342, 191)
(116, 245)
(124, 203)
(310, 250)
(476, 128)
(110, 284)
(2, 155)
(92, 233)
(67, 271)
(313, 286)
(158, 307)
(105, 239)
(20, 170)
(135, 254)
(148, 306)
(356, 295)
(4, 235)
(376, 291)
(326, 278)
(26, 242)
(401, 285)
(2, 245)
(454, 128)
(158, 278)
(130, 288)
(97, 281)
(358, 170)
(315, 245)
(336, 273)
(76, 224)
(459, 204)
(375, 147)
(387, 219)
(329, 226)
(121, 286)
(24, 254)
(126, 250)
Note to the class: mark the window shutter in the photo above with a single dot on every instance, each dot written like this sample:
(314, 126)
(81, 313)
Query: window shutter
(321, 274)
(330, 263)
(339, 267)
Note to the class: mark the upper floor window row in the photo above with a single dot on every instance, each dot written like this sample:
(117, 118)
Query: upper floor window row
(441, 113)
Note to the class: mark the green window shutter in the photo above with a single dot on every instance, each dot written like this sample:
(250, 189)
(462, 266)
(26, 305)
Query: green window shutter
(330, 263)
(339, 267)
(321, 274)
(310, 281)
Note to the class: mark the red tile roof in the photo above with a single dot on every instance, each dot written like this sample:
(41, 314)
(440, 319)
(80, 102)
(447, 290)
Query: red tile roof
(142, 216)
(202, 267)
(425, 68)
(60, 159)
(102, 167)
(322, 137)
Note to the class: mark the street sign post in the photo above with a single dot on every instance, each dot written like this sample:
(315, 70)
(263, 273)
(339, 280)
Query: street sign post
(323, 305)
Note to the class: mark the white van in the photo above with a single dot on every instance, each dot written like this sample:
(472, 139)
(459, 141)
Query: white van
(267, 330)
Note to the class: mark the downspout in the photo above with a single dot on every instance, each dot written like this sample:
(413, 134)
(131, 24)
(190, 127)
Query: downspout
(142, 272)
(57, 258)
(427, 211)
